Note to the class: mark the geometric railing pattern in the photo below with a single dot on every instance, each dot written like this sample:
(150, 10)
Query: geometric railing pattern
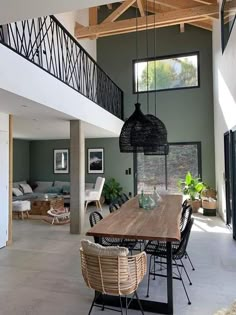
(45, 42)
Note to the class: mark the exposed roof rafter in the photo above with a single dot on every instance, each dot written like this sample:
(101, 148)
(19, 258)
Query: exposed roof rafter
(173, 17)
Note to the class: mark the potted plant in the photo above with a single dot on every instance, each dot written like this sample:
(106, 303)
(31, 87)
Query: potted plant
(192, 187)
(111, 190)
(209, 201)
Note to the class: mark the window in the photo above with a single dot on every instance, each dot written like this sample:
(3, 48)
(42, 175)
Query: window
(172, 72)
(228, 15)
(165, 171)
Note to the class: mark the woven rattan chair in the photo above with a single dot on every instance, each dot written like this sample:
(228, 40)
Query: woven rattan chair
(178, 252)
(113, 275)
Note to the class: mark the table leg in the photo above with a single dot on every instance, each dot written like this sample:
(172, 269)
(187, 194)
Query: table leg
(169, 279)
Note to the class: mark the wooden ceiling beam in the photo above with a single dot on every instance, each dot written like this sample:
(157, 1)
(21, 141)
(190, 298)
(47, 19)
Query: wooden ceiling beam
(206, 1)
(93, 16)
(140, 4)
(160, 20)
(119, 11)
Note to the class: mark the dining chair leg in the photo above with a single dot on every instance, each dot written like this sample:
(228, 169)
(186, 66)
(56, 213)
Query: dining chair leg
(149, 271)
(86, 205)
(180, 277)
(94, 300)
(190, 261)
(139, 303)
(121, 306)
(126, 306)
(190, 282)
(99, 204)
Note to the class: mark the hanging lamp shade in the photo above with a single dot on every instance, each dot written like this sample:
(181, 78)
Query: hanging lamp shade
(157, 141)
(135, 132)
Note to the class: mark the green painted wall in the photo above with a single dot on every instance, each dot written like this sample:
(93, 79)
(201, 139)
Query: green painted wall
(41, 160)
(21, 160)
(115, 162)
(187, 114)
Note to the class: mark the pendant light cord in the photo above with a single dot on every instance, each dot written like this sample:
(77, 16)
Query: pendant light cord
(147, 55)
(155, 52)
(137, 51)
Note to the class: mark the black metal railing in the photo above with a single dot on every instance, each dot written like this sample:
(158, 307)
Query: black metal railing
(45, 42)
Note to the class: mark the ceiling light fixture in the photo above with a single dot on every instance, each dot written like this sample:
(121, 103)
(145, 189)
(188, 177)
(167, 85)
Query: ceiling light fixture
(142, 133)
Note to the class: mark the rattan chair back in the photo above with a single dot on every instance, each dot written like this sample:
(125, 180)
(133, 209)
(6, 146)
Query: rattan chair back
(114, 275)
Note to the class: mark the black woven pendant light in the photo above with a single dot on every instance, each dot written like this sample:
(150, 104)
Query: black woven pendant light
(135, 132)
(159, 145)
(143, 133)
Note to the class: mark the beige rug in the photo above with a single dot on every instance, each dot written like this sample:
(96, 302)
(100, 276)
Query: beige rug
(230, 311)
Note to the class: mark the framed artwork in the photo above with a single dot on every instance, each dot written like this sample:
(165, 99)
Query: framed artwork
(61, 161)
(96, 161)
(228, 15)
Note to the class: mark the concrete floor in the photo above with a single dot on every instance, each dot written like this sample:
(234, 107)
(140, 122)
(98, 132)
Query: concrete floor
(40, 272)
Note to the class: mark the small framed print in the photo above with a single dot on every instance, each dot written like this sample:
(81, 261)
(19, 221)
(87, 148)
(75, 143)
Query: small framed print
(61, 161)
(96, 161)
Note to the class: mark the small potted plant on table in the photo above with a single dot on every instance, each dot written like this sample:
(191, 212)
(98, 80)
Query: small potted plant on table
(192, 187)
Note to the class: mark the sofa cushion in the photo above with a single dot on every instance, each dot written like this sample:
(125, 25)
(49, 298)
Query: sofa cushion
(61, 184)
(66, 189)
(26, 188)
(54, 190)
(91, 248)
(43, 186)
(17, 192)
(17, 184)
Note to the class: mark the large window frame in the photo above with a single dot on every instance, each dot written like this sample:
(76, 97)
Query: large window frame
(199, 156)
(180, 55)
(225, 33)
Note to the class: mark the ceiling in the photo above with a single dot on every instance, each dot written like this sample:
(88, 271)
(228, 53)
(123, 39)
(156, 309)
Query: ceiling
(15, 10)
(35, 121)
(151, 13)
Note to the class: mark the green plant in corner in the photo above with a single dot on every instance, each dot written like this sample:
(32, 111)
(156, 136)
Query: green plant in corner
(111, 189)
(191, 186)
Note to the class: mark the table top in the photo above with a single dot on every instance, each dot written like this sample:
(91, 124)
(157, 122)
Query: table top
(160, 223)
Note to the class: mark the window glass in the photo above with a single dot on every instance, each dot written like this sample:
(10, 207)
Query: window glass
(174, 72)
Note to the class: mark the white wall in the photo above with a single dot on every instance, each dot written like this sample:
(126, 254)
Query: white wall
(224, 103)
(4, 178)
(39, 86)
(69, 19)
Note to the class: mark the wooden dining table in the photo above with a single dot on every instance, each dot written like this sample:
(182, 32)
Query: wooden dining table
(161, 223)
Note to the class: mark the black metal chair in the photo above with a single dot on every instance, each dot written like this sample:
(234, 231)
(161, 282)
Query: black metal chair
(94, 218)
(159, 251)
(113, 207)
(185, 217)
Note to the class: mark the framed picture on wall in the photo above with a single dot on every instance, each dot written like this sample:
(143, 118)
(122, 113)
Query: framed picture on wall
(61, 161)
(96, 161)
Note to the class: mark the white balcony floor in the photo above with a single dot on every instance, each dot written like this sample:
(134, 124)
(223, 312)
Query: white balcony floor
(40, 273)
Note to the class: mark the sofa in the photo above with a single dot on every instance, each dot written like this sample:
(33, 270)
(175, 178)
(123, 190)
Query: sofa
(56, 188)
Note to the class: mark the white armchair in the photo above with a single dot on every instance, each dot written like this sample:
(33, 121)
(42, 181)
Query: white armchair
(94, 194)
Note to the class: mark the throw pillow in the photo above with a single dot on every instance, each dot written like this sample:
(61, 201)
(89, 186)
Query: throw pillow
(66, 189)
(54, 190)
(26, 188)
(16, 192)
(99, 250)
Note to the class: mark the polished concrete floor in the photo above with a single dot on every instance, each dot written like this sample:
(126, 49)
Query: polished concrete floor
(40, 273)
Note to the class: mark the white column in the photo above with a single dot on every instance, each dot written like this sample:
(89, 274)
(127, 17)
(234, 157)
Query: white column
(77, 176)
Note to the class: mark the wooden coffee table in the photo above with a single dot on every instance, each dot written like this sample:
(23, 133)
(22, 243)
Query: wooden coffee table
(40, 206)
